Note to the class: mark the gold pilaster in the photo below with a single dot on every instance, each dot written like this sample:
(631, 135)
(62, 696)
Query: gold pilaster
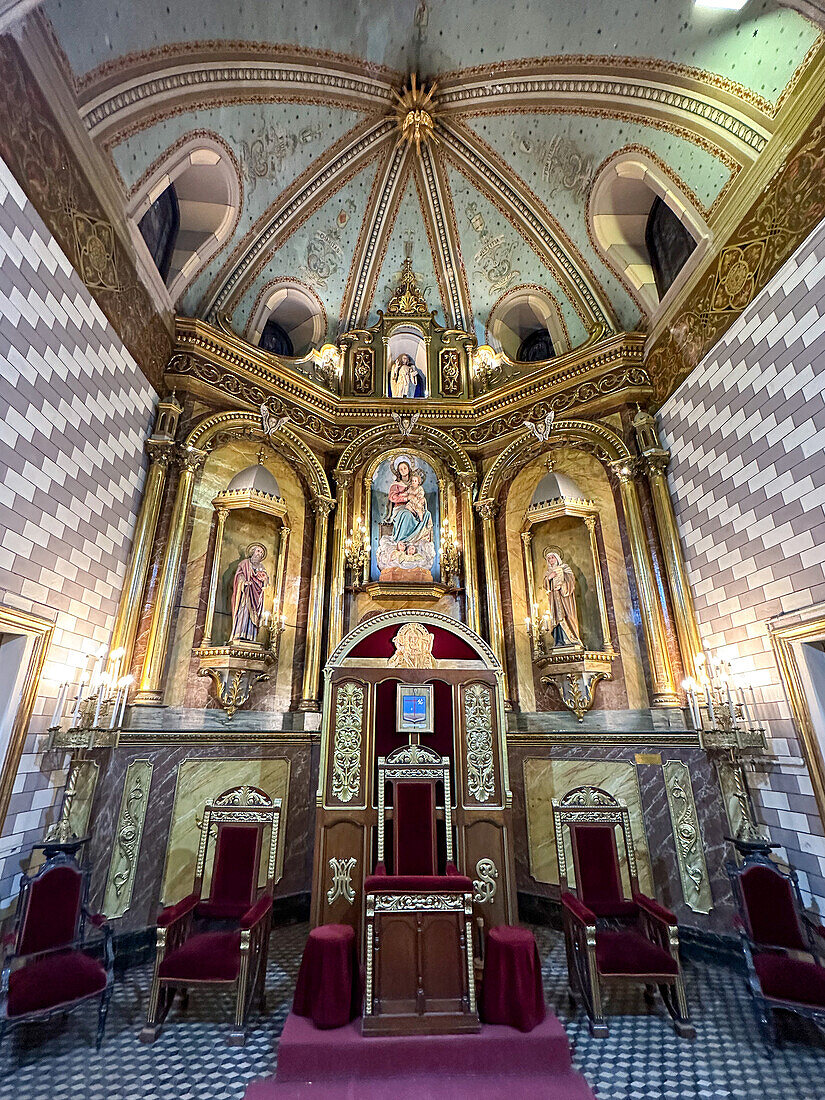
(664, 687)
(488, 509)
(312, 662)
(280, 573)
(221, 513)
(470, 561)
(149, 689)
(607, 645)
(683, 610)
(336, 600)
(128, 611)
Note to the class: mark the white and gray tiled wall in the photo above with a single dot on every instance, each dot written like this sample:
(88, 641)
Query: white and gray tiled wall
(74, 412)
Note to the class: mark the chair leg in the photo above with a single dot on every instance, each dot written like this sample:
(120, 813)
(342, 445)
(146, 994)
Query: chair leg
(677, 1007)
(160, 1001)
(237, 1037)
(102, 1013)
(767, 1026)
(650, 994)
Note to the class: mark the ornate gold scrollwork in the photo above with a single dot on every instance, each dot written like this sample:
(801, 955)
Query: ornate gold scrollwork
(478, 708)
(692, 867)
(486, 885)
(233, 687)
(346, 753)
(450, 372)
(341, 879)
(118, 893)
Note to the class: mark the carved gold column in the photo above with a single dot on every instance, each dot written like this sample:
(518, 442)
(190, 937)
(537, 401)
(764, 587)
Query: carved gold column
(213, 580)
(336, 590)
(149, 689)
(487, 509)
(312, 660)
(664, 687)
(470, 561)
(607, 644)
(683, 610)
(128, 611)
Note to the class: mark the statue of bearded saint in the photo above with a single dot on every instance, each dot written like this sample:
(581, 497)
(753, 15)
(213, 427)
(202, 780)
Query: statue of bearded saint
(248, 588)
(560, 586)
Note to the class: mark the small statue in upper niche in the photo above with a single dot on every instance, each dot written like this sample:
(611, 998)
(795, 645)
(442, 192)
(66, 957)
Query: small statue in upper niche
(406, 380)
(559, 583)
(248, 590)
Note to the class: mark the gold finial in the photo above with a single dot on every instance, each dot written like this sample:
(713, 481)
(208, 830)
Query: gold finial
(414, 111)
(407, 298)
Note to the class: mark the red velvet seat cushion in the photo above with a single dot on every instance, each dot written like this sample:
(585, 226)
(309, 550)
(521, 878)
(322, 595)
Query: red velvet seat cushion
(56, 980)
(396, 884)
(598, 878)
(629, 952)
(206, 957)
(769, 901)
(791, 979)
(52, 910)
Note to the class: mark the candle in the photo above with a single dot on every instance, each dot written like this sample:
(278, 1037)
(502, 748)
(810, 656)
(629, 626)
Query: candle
(58, 709)
(98, 669)
(745, 710)
(126, 682)
(709, 700)
(753, 696)
(730, 702)
(79, 699)
(115, 709)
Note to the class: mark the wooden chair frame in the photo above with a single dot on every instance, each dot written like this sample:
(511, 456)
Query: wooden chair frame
(78, 943)
(813, 933)
(595, 806)
(238, 806)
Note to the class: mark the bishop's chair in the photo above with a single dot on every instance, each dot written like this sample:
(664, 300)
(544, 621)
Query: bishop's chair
(233, 954)
(47, 967)
(609, 936)
(775, 931)
(419, 949)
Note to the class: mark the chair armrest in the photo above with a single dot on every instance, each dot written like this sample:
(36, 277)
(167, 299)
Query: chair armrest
(654, 909)
(577, 909)
(98, 920)
(259, 910)
(173, 913)
(380, 869)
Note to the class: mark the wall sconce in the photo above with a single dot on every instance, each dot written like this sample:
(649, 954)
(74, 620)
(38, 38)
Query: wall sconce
(450, 552)
(357, 552)
(486, 365)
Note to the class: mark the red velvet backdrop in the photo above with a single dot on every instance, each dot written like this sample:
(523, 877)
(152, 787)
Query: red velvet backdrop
(446, 646)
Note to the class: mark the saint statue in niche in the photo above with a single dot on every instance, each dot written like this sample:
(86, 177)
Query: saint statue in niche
(405, 550)
(248, 589)
(406, 380)
(560, 585)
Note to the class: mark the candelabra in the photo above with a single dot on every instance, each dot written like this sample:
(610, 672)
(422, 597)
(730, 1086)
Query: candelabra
(540, 633)
(450, 557)
(92, 720)
(732, 736)
(357, 555)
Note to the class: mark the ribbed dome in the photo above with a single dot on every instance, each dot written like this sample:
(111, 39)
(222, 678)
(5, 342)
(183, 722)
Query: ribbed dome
(555, 486)
(255, 477)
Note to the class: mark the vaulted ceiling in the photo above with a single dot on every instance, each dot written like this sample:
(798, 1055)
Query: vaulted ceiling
(529, 104)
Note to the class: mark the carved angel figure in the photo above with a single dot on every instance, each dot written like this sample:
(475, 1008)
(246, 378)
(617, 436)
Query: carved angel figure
(541, 430)
(405, 423)
(271, 424)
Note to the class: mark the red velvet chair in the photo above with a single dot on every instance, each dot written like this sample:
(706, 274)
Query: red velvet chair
(47, 968)
(775, 929)
(609, 936)
(422, 979)
(235, 953)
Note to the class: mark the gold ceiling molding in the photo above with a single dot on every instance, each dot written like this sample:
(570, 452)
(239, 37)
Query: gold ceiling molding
(439, 219)
(218, 365)
(307, 193)
(730, 278)
(42, 160)
(479, 163)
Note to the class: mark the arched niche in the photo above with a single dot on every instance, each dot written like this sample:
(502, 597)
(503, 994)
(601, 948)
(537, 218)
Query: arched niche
(521, 311)
(296, 308)
(204, 174)
(625, 188)
(576, 471)
(224, 462)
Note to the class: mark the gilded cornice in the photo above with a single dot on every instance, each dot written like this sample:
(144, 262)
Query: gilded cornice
(220, 367)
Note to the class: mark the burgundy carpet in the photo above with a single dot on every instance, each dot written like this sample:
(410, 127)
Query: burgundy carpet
(499, 1063)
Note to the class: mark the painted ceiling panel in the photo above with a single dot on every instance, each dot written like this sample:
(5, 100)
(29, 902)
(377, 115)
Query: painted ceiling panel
(497, 258)
(319, 255)
(760, 46)
(408, 232)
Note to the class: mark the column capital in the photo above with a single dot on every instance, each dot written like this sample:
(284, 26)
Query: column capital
(160, 451)
(189, 458)
(322, 506)
(487, 508)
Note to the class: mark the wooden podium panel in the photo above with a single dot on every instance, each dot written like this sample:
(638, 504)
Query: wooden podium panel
(419, 968)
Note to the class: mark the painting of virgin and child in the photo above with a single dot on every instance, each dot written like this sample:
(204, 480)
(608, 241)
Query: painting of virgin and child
(405, 521)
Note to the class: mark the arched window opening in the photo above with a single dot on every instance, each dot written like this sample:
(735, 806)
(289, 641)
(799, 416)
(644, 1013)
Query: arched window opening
(159, 228)
(276, 340)
(536, 347)
(669, 245)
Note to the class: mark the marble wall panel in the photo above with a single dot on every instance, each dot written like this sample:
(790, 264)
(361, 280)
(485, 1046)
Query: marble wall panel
(242, 762)
(546, 779)
(199, 780)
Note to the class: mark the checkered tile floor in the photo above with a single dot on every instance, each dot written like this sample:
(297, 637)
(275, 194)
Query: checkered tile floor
(641, 1060)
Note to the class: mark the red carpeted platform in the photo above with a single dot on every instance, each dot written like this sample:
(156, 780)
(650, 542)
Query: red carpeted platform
(495, 1063)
